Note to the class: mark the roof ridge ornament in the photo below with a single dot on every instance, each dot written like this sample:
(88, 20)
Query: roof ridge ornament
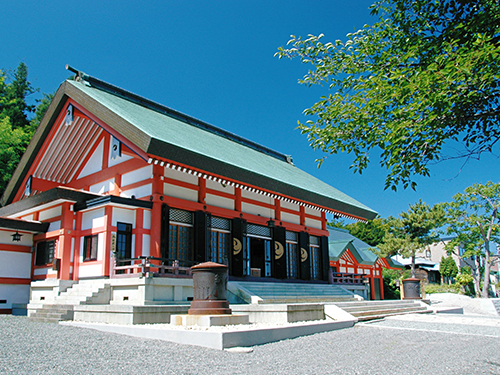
(80, 76)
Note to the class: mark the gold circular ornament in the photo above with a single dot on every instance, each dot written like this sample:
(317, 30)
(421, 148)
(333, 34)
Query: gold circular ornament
(278, 250)
(303, 254)
(236, 246)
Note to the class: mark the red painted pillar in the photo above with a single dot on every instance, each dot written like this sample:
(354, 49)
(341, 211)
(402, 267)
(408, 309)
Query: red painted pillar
(381, 286)
(372, 286)
(64, 242)
(108, 214)
(76, 251)
(155, 238)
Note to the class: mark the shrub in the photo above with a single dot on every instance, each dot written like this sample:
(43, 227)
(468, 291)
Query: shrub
(442, 288)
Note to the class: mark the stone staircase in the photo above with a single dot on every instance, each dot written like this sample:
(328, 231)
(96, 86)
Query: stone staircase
(266, 292)
(370, 310)
(86, 292)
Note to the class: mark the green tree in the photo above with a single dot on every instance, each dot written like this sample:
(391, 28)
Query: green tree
(372, 232)
(448, 268)
(412, 231)
(473, 218)
(18, 119)
(425, 74)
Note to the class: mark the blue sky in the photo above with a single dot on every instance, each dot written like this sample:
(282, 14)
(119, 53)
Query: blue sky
(214, 60)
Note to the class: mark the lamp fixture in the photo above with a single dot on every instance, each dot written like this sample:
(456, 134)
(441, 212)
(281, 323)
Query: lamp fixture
(270, 223)
(16, 237)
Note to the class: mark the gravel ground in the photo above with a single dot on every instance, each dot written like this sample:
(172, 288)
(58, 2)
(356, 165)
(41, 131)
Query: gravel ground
(28, 347)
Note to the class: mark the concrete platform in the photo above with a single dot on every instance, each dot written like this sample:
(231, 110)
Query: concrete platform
(220, 337)
(208, 320)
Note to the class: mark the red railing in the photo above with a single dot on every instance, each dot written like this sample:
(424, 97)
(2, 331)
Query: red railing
(149, 266)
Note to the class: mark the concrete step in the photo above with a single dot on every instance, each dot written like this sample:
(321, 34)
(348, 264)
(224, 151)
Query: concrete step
(52, 313)
(369, 310)
(387, 312)
(296, 293)
(377, 307)
(381, 316)
(379, 303)
(304, 300)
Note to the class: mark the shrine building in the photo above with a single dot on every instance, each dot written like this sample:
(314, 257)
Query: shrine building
(113, 184)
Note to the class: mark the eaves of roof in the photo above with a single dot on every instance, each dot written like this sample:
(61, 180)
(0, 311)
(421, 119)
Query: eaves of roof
(52, 195)
(24, 225)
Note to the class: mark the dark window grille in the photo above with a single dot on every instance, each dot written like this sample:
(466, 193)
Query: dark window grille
(90, 245)
(258, 230)
(314, 253)
(124, 240)
(291, 261)
(181, 243)
(44, 252)
(219, 245)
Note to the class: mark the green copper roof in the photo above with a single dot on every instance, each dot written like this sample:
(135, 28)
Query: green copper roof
(340, 240)
(181, 138)
(158, 131)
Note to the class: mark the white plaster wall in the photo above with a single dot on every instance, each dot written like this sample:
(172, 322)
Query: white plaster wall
(313, 223)
(14, 294)
(50, 213)
(91, 270)
(95, 162)
(257, 197)
(141, 174)
(215, 200)
(93, 219)
(138, 192)
(14, 264)
(218, 186)
(27, 217)
(342, 269)
(312, 211)
(100, 246)
(124, 216)
(257, 210)
(147, 219)
(180, 192)
(146, 243)
(133, 246)
(6, 238)
(289, 218)
(103, 187)
(181, 176)
(119, 159)
(290, 206)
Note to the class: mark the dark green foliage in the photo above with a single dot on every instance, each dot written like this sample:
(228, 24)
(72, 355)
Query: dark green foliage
(412, 231)
(372, 232)
(425, 74)
(448, 268)
(17, 124)
(391, 290)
